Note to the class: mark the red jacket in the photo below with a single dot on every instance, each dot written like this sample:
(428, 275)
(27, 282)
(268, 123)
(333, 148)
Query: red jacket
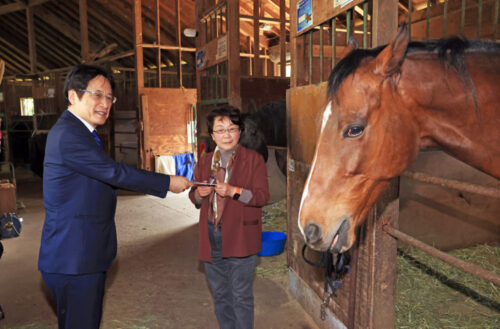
(241, 223)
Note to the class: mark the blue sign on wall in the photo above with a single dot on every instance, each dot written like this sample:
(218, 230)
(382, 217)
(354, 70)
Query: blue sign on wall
(200, 59)
(304, 14)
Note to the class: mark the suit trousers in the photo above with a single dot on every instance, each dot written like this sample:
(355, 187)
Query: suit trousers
(78, 298)
(231, 282)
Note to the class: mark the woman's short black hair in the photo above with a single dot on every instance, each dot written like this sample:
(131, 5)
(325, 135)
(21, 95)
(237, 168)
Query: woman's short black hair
(79, 76)
(225, 111)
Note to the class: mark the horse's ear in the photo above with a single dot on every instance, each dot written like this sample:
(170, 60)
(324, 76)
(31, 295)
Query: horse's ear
(252, 106)
(390, 59)
(352, 44)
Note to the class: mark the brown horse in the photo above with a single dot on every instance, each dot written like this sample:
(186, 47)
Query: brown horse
(386, 104)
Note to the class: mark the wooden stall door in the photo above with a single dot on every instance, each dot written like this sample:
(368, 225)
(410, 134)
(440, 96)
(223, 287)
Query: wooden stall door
(165, 116)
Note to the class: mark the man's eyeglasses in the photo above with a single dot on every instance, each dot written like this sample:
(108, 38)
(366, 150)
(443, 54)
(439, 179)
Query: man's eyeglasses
(99, 95)
(230, 130)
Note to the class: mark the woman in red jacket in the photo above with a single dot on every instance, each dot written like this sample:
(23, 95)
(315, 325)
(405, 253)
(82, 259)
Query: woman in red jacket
(230, 227)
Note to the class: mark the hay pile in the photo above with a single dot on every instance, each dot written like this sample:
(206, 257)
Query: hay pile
(432, 294)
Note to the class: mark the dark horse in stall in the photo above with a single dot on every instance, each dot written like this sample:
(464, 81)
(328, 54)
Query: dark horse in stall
(383, 106)
(266, 126)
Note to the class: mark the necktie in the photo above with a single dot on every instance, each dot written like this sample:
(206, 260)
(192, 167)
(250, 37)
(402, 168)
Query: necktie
(96, 138)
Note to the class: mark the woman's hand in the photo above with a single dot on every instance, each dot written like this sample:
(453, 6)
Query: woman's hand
(224, 189)
(203, 191)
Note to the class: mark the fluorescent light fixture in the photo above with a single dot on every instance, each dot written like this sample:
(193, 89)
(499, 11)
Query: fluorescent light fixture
(190, 33)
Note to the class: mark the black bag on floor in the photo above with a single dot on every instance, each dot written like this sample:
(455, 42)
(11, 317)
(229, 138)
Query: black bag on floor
(10, 226)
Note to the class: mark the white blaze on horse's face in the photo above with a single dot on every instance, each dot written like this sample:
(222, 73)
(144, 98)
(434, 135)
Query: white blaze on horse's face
(327, 113)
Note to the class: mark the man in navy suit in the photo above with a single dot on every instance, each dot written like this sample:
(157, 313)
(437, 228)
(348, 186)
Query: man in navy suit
(79, 191)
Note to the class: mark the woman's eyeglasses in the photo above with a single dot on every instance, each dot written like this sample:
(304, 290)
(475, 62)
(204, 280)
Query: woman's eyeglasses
(99, 95)
(230, 130)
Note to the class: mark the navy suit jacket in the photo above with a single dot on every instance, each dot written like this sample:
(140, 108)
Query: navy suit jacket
(79, 192)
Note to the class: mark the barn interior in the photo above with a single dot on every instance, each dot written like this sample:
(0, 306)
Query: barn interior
(173, 61)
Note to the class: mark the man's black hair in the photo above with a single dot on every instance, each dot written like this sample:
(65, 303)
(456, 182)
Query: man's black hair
(79, 76)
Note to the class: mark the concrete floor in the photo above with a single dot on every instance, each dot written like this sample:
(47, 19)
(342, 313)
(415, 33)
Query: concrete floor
(155, 282)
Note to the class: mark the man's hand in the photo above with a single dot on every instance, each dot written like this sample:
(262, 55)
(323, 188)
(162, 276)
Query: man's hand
(203, 191)
(179, 184)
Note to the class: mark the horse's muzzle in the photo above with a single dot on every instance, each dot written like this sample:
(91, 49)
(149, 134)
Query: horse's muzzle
(313, 235)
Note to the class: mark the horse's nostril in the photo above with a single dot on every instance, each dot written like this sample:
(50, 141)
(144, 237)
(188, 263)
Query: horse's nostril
(313, 233)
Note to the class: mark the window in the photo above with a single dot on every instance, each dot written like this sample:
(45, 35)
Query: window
(27, 106)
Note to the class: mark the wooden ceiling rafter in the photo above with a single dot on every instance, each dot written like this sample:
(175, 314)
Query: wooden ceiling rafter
(17, 54)
(56, 48)
(148, 28)
(19, 5)
(13, 61)
(63, 47)
(57, 32)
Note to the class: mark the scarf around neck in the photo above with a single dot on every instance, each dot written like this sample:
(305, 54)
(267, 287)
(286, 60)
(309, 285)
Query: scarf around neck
(221, 174)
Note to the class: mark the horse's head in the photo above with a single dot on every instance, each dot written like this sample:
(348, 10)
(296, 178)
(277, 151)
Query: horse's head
(364, 141)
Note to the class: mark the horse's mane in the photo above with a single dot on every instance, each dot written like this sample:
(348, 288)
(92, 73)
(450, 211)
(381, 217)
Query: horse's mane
(450, 51)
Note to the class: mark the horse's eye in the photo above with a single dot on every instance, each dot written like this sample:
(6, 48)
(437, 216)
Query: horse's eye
(353, 131)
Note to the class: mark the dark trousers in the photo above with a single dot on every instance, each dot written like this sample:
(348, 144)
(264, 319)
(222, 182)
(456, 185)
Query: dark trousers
(78, 297)
(231, 282)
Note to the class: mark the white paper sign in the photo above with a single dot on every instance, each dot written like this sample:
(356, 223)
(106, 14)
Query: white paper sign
(221, 48)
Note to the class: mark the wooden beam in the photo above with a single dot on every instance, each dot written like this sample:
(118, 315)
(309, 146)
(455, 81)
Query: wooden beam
(139, 64)
(385, 21)
(293, 47)
(84, 36)
(282, 38)
(257, 67)
(12, 64)
(148, 30)
(12, 7)
(14, 53)
(59, 53)
(233, 42)
(179, 39)
(158, 40)
(31, 38)
(115, 57)
(15, 22)
(57, 24)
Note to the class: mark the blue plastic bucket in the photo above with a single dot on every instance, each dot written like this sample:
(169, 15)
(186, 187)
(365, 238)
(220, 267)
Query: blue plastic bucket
(273, 243)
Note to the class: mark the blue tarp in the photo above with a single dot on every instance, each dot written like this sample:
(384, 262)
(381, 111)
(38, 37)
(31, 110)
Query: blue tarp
(184, 165)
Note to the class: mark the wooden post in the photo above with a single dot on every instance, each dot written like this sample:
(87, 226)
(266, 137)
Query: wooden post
(293, 43)
(233, 39)
(200, 40)
(158, 42)
(257, 67)
(282, 39)
(179, 39)
(84, 33)
(139, 78)
(385, 21)
(384, 247)
(31, 38)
